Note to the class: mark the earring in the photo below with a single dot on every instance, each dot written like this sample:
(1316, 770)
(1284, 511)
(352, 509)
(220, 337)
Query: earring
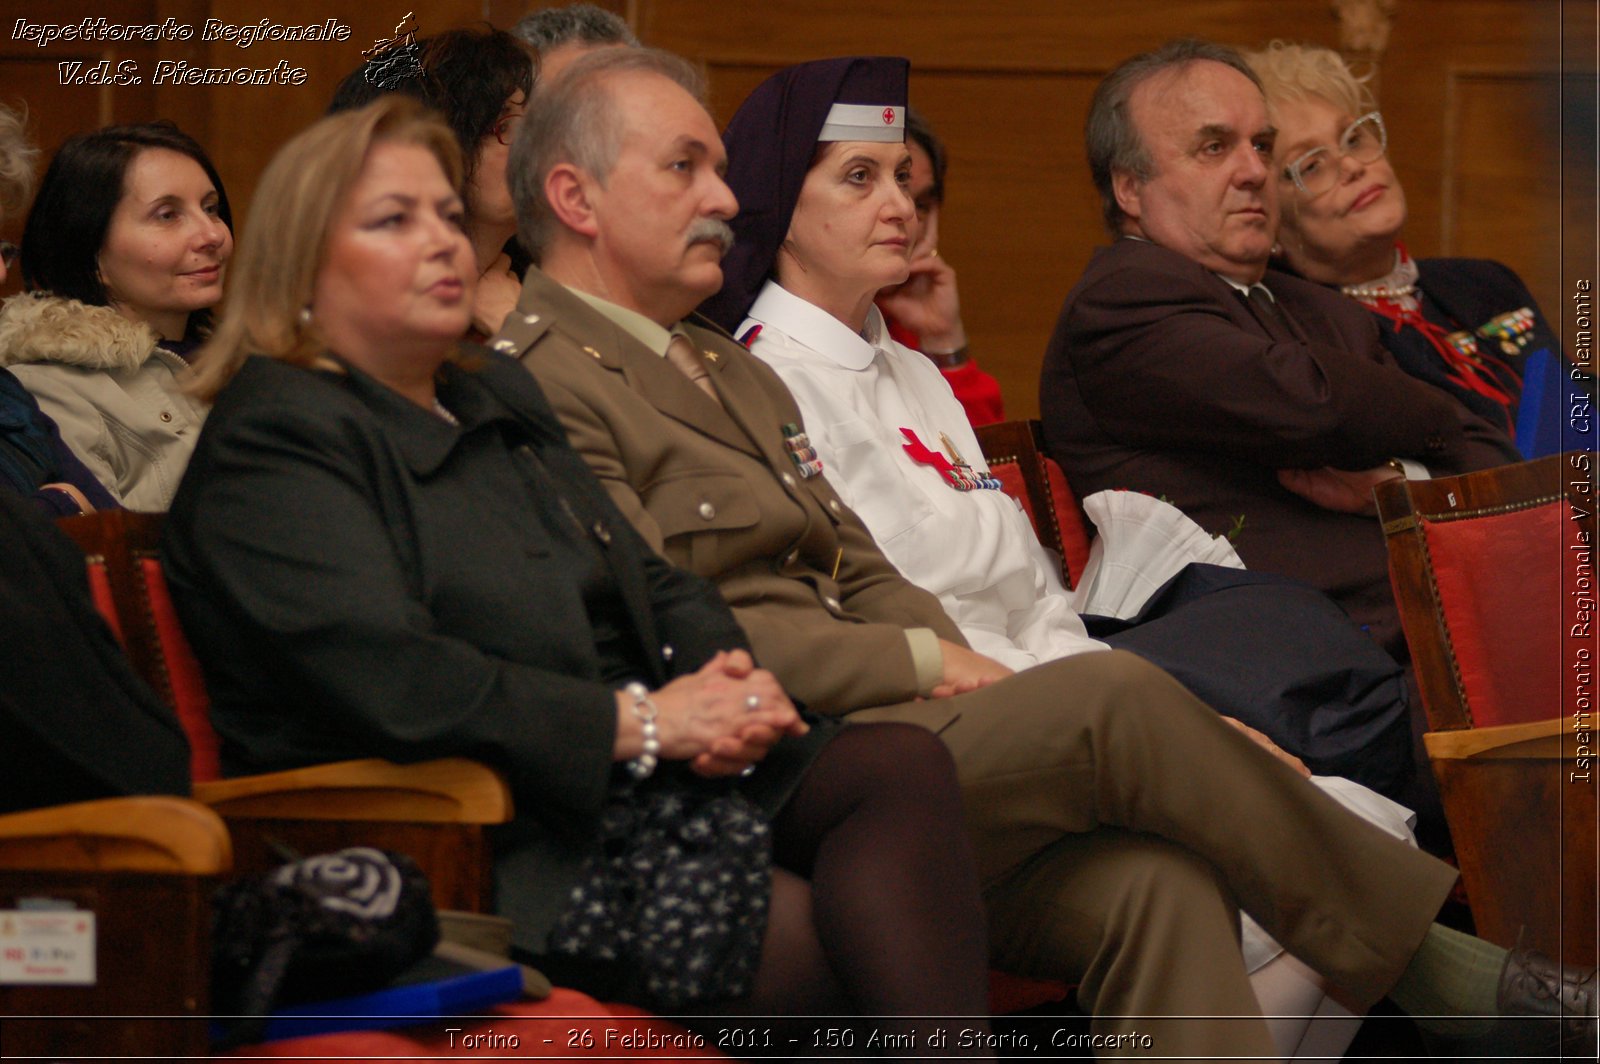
(305, 316)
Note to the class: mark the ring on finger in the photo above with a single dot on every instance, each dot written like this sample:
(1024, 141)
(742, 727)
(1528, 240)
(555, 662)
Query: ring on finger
(752, 703)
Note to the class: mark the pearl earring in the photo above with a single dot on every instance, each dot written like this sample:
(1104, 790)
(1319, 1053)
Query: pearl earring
(305, 317)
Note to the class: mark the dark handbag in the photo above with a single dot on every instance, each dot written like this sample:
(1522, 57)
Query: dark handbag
(678, 894)
(323, 927)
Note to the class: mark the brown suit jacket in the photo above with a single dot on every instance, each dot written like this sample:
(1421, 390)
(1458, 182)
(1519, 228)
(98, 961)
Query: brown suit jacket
(712, 488)
(1160, 378)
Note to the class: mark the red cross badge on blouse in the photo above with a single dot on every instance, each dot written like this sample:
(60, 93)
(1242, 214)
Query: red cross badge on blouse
(888, 116)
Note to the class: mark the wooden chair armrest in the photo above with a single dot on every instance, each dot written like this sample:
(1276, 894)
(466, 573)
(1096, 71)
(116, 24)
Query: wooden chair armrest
(1552, 739)
(448, 791)
(148, 834)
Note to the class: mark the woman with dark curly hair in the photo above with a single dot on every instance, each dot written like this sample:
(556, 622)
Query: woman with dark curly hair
(479, 81)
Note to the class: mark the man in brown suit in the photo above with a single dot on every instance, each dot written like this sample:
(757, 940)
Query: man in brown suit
(1182, 366)
(1109, 859)
(1261, 405)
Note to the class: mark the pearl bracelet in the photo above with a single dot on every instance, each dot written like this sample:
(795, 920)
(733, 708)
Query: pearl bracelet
(642, 766)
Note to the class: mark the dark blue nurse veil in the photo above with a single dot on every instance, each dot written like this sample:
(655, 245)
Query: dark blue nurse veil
(771, 142)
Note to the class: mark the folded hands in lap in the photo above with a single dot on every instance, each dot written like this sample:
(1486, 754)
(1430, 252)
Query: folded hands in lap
(708, 719)
(966, 670)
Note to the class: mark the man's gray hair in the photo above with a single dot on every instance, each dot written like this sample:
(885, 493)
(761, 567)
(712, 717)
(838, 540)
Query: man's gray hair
(574, 24)
(578, 120)
(1110, 137)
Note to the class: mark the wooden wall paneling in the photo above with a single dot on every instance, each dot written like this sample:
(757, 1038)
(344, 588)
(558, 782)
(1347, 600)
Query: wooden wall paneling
(1014, 34)
(67, 87)
(258, 120)
(1021, 217)
(1501, 195)
(1469, 90)
(240, 125)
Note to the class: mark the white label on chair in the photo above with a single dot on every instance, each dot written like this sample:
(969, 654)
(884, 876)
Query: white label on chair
(1451, 496)
(47, 947)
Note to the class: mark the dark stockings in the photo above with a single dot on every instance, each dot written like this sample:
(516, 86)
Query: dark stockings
(875, 908)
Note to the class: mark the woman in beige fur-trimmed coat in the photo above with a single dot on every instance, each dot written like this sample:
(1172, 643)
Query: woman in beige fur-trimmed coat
(111, 389)
(123, 257)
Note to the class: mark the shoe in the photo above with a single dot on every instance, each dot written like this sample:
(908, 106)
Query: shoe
(1532, 984)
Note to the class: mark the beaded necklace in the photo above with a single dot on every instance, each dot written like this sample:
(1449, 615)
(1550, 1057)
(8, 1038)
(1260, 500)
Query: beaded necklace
(1397, 297)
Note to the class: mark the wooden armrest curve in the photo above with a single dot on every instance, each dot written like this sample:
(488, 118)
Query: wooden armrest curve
(450, 790)
(146, 834)
(1539, 739)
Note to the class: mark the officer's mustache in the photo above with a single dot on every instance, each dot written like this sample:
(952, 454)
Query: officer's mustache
(712, 231)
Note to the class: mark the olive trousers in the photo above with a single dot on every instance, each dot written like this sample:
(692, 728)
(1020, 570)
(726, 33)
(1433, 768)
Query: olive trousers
(1120, 825)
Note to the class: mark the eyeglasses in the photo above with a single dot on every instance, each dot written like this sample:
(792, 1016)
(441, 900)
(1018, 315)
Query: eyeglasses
(506, 127)
(1365, 141)
(9, 253)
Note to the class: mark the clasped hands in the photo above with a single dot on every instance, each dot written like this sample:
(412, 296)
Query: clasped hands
(722, 719)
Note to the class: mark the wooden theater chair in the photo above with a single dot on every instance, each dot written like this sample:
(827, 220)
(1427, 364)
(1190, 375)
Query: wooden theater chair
(1495, 578)
(438, 812)
(116, 892)
(146, 867)
(1015, 453)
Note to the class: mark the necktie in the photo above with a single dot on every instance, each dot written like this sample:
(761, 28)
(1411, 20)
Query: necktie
(1269, 314)
(681, 353)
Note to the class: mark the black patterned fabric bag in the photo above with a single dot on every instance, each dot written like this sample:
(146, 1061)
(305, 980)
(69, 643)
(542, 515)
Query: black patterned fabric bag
(678, 894)
(323, 927)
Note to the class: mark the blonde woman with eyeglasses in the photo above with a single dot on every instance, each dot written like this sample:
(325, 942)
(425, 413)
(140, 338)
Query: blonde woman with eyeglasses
(1467, 326)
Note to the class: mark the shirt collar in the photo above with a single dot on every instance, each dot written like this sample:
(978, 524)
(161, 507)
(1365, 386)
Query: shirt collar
(816, 329)
(1246, 289)
(631, 322)
(1242, 289)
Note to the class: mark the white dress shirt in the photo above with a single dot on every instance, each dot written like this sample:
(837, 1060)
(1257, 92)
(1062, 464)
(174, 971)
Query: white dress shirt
(974, 549)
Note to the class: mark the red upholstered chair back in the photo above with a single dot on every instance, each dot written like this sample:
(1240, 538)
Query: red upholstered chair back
(104, 600)
(1016, 457)
(126, 580)
(1494, 574)
(1500, 578)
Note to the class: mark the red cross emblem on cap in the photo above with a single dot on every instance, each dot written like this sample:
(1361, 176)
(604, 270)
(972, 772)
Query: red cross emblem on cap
(888, 116)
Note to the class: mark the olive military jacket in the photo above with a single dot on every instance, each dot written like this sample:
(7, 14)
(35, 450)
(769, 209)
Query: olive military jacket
(718, 491)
